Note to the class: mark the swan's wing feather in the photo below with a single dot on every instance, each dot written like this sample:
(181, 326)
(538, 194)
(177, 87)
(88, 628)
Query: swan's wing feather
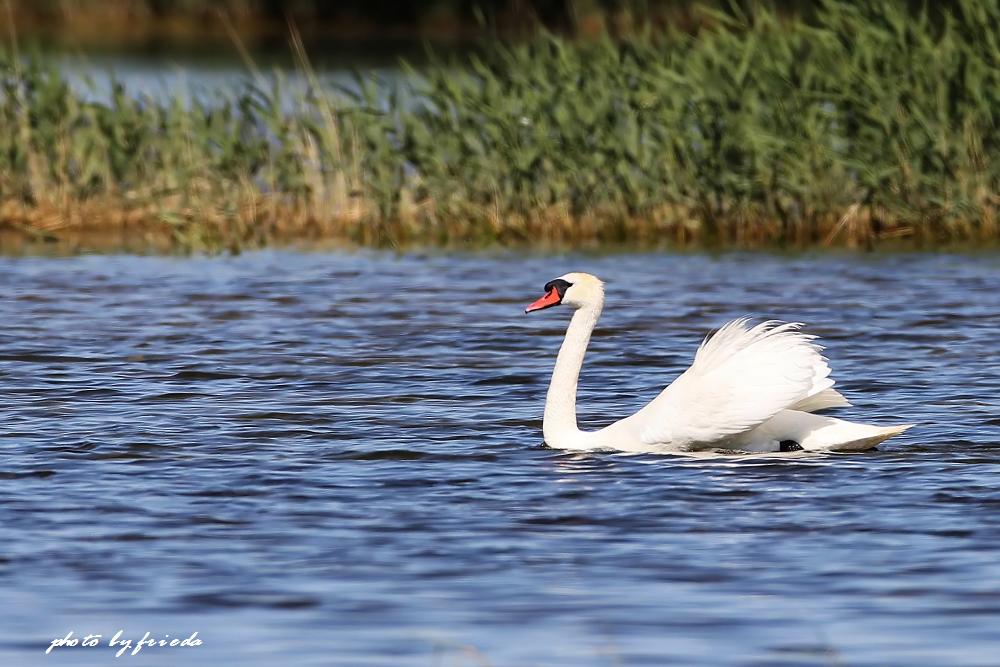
(824, 400)
(742, 376)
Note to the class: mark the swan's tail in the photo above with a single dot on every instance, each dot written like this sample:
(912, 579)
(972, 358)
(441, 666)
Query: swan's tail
(862, 437)
(818, 433)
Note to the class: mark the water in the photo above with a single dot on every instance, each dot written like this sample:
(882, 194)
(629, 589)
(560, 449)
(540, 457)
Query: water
(205, 75)
(320, 459)
(163, 78)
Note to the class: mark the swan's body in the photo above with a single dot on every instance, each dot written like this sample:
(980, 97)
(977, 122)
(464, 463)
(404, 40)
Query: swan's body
(750, 388)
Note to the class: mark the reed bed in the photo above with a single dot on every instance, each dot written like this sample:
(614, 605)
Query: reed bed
(868, 123)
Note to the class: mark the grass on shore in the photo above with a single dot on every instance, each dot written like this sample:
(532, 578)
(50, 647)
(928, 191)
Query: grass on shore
(868, 123)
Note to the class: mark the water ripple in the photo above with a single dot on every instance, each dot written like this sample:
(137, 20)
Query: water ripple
(336, 459)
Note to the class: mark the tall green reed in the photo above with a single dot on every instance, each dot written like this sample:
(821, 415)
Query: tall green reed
(868, 121)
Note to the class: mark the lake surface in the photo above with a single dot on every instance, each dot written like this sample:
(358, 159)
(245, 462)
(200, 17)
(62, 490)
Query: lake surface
(165, 77)
(336, 459)
(171, 73)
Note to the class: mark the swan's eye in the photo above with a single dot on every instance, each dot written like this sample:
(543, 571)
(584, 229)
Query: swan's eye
(559, 285)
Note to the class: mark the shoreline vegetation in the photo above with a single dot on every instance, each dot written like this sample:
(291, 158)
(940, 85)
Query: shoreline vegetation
(123, 24)
(867, 124)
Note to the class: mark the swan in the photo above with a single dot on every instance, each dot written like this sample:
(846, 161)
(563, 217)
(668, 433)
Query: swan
(751, 388)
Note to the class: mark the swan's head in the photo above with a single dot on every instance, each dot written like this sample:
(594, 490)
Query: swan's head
(573, 289)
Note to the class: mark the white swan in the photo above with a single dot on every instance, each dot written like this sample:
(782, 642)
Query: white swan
(750, 388)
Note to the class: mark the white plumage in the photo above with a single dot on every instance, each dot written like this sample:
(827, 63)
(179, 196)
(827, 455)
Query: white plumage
(751, 387)
(741, 377)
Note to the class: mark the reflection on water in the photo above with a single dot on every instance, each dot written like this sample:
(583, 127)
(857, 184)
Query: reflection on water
(166, 76)
(335, 459)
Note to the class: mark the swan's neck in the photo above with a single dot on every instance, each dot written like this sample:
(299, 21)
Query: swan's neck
(559, 424)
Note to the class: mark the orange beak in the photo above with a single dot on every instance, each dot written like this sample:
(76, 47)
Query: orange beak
(550, 299)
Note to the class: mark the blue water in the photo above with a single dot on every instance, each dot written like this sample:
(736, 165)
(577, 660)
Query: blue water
(164, 78)
(336, 459)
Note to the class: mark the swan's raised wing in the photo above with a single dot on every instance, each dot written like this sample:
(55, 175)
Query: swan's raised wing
(741, 377)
